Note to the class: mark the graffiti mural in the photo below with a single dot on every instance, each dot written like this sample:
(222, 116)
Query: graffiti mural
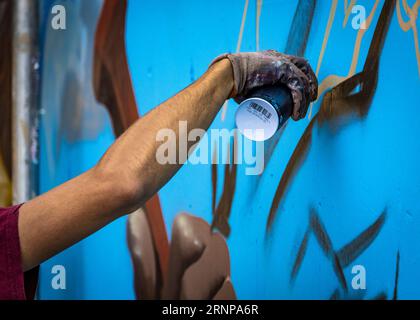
(339, 192)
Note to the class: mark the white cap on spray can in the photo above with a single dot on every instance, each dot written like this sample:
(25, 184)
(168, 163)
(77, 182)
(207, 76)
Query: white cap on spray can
(266, 110)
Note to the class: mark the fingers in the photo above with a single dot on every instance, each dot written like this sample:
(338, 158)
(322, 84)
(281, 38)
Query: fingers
(298, 84)
(297, 74)
(306, 68)
(299, 77)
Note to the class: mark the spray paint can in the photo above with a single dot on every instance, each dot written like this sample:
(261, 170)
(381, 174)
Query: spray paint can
(264, 112)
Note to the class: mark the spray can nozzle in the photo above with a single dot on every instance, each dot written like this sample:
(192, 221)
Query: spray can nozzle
(264, 112)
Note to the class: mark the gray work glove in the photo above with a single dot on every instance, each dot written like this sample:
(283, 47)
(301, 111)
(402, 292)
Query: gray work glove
(256, 69)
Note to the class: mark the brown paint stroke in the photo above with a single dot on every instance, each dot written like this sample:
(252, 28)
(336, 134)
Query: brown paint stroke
(296, 45)
(324, 241)
(300, 255)
(296, 160)
(222, 212)
(113, 88)
(381, 296)
(320, 232)
(356, 247)
(147, 280)
(335, 295)
(397, 275)
(112, 80)
(345, 256)
(214, 180)
(301, 27)
(339, 103)
(338, 295)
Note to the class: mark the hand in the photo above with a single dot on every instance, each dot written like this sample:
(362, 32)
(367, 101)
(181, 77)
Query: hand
(256, 69)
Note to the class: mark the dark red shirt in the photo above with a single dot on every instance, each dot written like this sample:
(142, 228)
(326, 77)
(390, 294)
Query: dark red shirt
(12, 278)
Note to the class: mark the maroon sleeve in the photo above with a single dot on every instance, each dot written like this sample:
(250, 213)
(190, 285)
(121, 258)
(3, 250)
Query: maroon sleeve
(11, 274)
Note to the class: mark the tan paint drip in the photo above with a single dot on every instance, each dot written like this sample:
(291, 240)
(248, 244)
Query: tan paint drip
(324, 44)
(329, 82)
(338, 104)
(257, 24)
(412, 14)
(333, 80)
(238, 49)
(224, 109)
(327, 34)
(347, 10)
(241, 30)
(221, 213)
(360, 34)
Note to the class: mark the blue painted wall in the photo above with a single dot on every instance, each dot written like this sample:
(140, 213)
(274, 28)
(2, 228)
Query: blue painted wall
(75, 132)
(350, 176)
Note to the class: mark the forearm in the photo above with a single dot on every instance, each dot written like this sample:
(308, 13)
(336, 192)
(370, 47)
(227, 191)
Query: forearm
(134, 154)
(124, 178)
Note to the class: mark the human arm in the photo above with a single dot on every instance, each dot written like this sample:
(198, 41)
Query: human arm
(128, 174)
(124, 178)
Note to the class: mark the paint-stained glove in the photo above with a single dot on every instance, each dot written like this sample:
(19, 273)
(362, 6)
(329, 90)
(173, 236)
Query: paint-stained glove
(256, 69)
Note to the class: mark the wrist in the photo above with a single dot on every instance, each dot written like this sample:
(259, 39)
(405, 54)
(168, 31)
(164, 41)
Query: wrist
(224, 69)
